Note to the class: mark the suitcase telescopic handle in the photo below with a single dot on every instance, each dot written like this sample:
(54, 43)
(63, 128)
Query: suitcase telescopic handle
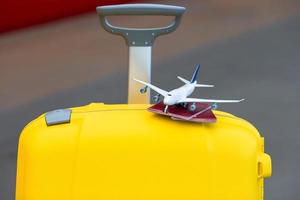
(140, 41)
(140, 36)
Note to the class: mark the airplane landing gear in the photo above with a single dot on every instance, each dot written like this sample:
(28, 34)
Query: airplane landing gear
(166, 109)
(184, 104)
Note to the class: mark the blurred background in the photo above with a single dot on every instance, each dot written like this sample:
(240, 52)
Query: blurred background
(54, 54)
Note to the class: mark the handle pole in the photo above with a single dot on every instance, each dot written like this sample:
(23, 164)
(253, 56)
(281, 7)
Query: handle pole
(140, 68)
(140, 41)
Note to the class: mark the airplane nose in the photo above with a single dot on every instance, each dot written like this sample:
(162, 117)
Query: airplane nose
(166, 101)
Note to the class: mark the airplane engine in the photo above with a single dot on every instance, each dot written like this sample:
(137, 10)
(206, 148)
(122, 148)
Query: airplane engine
(143, 90)
(192, 107)
(156, 98)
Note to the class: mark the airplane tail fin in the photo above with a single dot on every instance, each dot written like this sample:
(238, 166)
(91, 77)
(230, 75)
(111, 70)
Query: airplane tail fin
(195, 74)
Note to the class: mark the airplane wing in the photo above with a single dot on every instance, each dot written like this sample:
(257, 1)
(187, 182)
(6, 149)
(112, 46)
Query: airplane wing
(187, 100)
(204, 85)
(156, 89)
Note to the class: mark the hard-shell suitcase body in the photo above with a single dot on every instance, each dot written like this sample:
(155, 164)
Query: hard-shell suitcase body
(124, 152)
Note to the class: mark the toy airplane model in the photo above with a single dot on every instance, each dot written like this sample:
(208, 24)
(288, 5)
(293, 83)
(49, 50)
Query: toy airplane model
(177, 105)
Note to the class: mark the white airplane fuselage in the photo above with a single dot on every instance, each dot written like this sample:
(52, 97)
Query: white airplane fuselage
(174, 96)
(180, 95)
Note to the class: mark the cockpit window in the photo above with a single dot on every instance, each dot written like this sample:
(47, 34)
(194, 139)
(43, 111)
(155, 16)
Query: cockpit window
(169, 95)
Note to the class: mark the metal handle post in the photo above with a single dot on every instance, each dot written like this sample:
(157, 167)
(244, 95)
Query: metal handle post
(140, 41)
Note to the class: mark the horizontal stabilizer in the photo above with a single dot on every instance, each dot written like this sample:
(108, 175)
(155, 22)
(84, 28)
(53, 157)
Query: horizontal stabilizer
(183, 80)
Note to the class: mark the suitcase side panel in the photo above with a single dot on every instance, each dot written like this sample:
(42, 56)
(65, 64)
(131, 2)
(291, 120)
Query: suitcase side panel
(46, 159)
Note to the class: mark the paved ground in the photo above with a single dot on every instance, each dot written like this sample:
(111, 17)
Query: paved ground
(247, 50)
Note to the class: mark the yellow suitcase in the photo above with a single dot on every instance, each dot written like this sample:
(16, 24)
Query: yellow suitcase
(124, 152)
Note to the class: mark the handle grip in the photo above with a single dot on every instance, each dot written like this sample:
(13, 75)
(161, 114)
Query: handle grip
(140, 37)
(140, 9)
